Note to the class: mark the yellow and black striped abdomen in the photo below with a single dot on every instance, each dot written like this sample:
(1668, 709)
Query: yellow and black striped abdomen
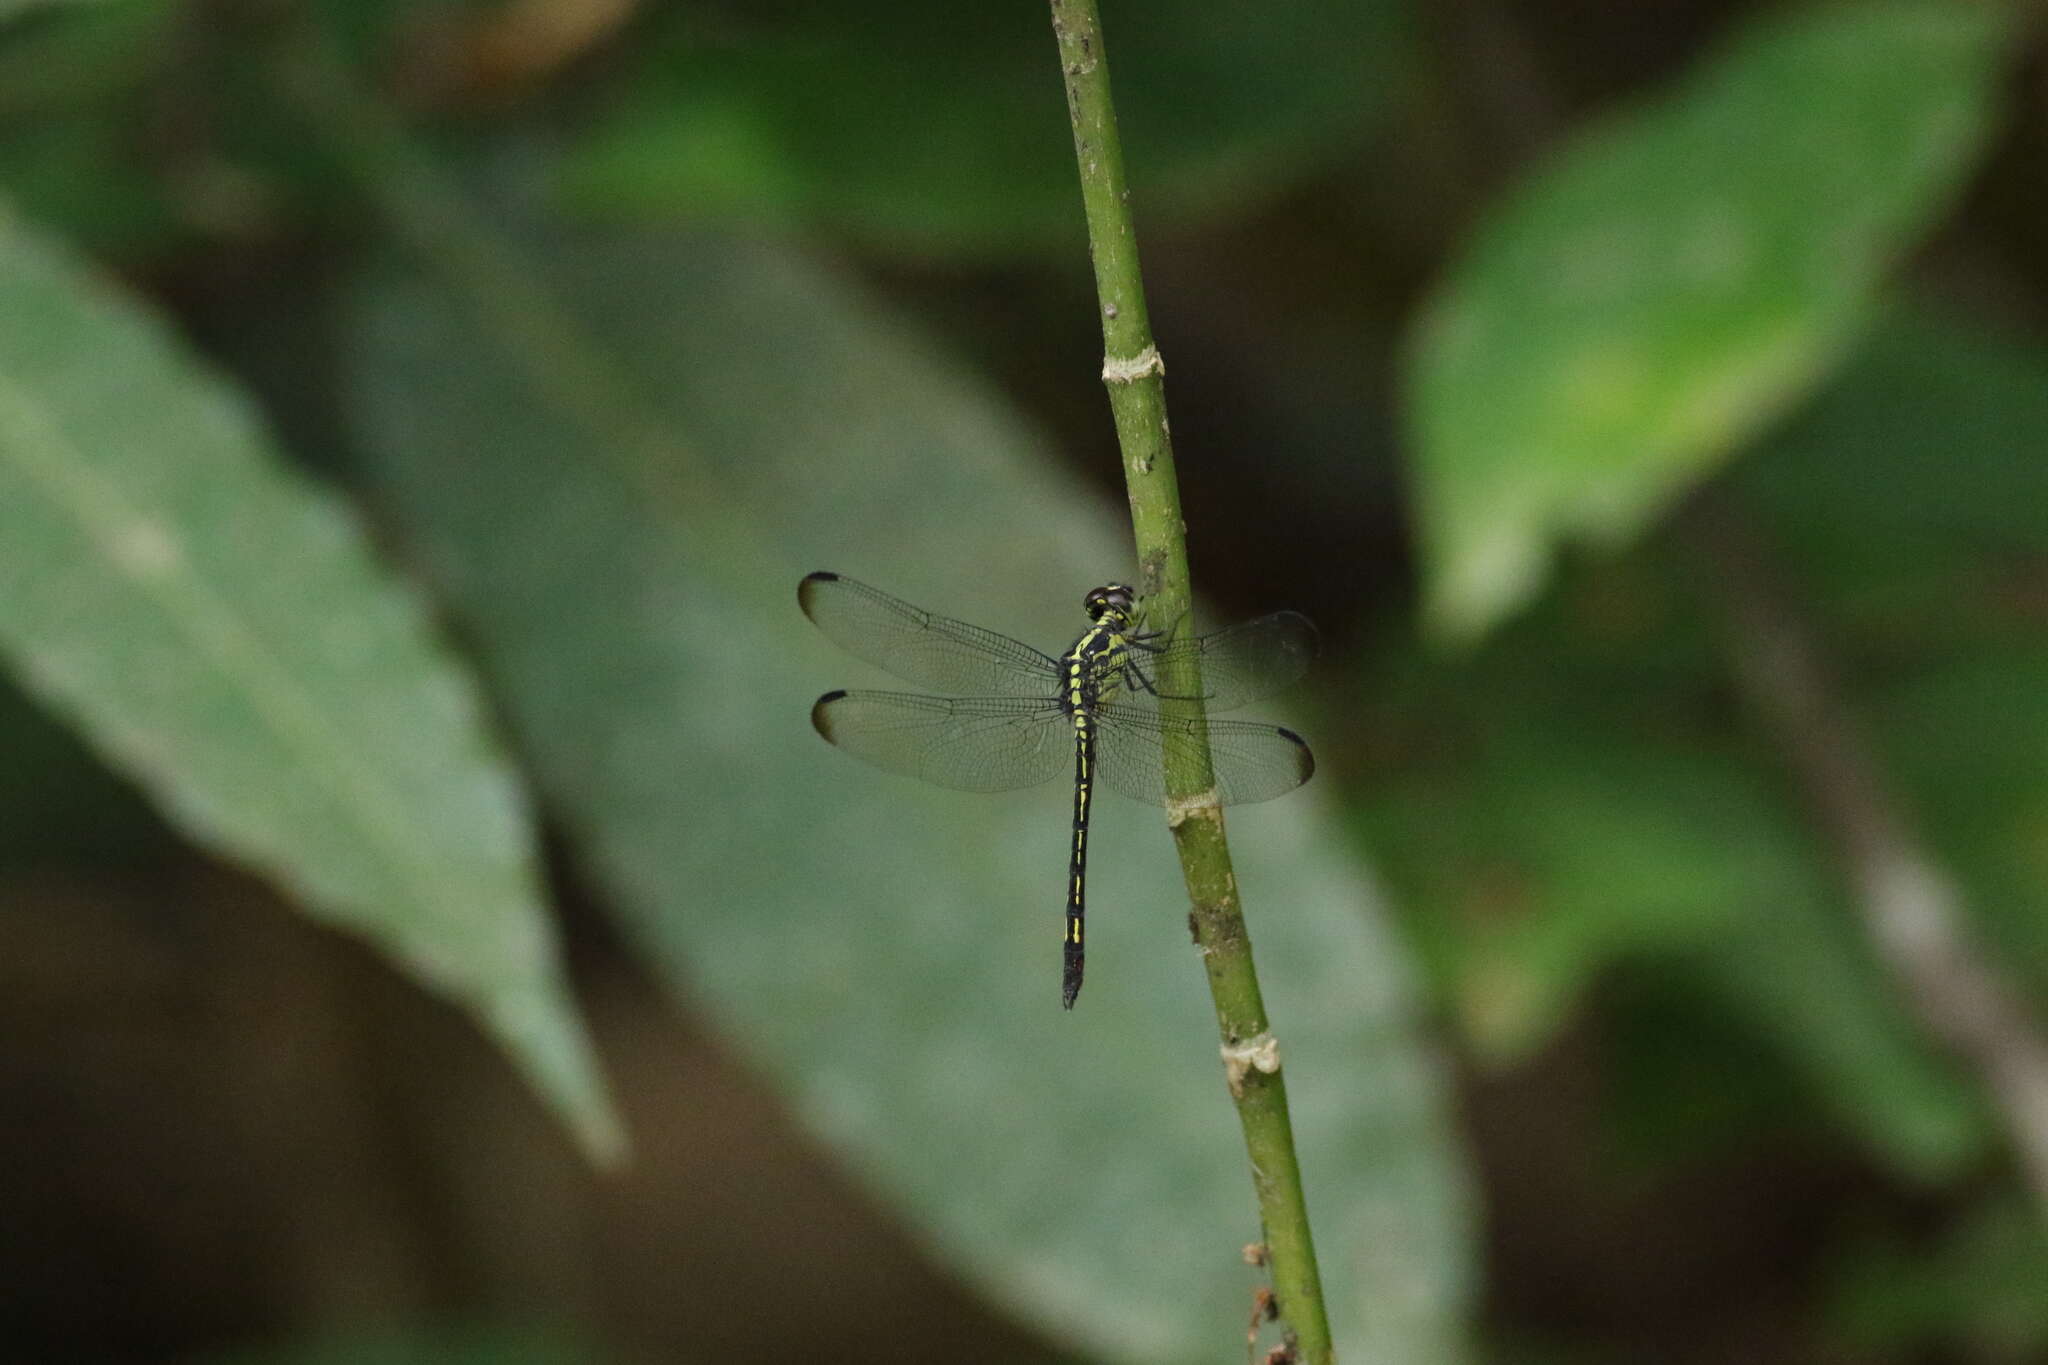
(1092, 672)
(1072, 950)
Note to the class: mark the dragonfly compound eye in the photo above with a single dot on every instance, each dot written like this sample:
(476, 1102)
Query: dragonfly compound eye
(1110, 597)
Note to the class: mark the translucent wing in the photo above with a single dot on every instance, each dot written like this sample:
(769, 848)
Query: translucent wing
(1239, 665)
(1252, 762)
(974, 744)
(922, 647)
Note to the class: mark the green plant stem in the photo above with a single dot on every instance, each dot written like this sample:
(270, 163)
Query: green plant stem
(1135, 376)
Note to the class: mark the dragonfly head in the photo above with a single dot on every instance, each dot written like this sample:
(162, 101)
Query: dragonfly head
(1112, 602)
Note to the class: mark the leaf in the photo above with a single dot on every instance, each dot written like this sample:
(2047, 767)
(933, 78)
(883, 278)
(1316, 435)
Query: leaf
(1911, 504)
(1943, 421)
(81, 53)
(939, 127)
(75, 84)
(1576, 802)
(1673, 280)
(889, 952)
(11, 10)
(1975, 1288)
(1909, 493)
(218, 630)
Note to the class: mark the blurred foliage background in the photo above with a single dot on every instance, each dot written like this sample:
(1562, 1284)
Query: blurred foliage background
(429, 931)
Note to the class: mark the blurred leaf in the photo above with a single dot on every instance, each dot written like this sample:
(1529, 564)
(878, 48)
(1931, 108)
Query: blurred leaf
(218, 630)
(80, 53)
(1911, 502)
(940, 127)
(59, 804)
(11, 10)
(1570, 799)
(1980, 1284)
(80, 175)
(1944, 423)
(1674, 279)
(1911, 494)
(1798, 966)
(886, 951)
(1968, 739)
(79, 149)
(1687, 1079)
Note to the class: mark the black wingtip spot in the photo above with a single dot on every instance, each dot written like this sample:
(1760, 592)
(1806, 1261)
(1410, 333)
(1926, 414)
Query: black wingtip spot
(821, 713)
(1308, 755)
(803, 589)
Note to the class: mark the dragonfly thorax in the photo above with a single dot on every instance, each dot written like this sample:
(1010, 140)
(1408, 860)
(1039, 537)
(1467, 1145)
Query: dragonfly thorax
(1094, 667)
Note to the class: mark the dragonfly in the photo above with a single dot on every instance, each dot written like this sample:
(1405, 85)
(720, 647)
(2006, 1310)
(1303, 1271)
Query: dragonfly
(1015, 717)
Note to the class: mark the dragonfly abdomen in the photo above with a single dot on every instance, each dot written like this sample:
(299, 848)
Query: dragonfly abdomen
(1073, 949)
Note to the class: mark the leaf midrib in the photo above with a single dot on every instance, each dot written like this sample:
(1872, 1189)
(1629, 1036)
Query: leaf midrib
(56, 463)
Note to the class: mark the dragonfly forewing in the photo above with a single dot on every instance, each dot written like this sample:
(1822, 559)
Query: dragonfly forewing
(920, 646)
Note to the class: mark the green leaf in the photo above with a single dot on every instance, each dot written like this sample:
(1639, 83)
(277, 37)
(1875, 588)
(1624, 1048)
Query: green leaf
(1911, 504)
(219, 631)
(1975, 1290)
(1650, 299)
(82, 54)
(11, 10)
(1576, 802)
(1795, 961)
(886, 951)
(75, 84)
(1928, 441)
(934, 126)
(1910, 496)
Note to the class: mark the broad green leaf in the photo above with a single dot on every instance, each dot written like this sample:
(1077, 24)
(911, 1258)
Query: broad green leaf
(11, 10)
(888, 952)
(1911, 492)
(1944, 425)
(82, 52)
(220, 632)
(1665, 286)
(1910, 503)
(1575, 802)
(1977, 1285)
(941, 127)
(1796, 960)
(75, 83)
(77, 174)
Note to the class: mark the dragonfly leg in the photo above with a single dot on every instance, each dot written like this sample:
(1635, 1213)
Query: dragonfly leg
(1139, 681)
